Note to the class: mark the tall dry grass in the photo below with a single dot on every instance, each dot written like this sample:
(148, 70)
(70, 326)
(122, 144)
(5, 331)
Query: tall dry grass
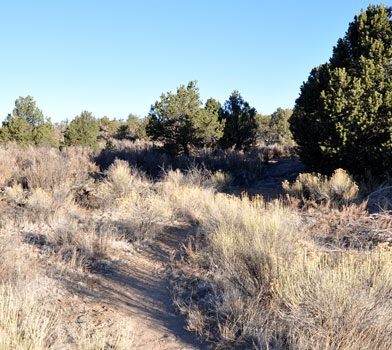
(259, 275)
(46, 168)
(339, 189)
(132, 203)
(26, 324)
(44, 236)
(264, 278)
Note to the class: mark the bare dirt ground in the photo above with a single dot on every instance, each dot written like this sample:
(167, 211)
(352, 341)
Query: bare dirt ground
(269, 184)
(143, 295)
(135, 290)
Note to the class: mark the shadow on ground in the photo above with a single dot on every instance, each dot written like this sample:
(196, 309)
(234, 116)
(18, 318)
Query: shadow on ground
(137, 287)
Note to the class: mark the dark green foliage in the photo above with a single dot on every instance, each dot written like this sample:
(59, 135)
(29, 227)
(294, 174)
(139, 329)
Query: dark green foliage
(240, 123)
(27, 125)
(343, 117)
(141, 131)
(263, 128)
(82, 131)
(275, 128)
(129, 130)
(280, 127)
(179, 122)
(207, 126)
(108, 128)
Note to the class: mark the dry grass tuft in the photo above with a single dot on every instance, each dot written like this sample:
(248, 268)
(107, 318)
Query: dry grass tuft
(280, 278)
(24, 325)
(46, 168)
(339, 189)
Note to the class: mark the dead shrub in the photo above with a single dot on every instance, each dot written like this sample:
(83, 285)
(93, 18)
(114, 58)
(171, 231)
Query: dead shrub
(46, 168)
(122, 181)
(142, 216)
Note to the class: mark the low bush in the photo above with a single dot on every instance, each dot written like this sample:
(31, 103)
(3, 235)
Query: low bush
(40, 167)
(244, 167)
(339, 189)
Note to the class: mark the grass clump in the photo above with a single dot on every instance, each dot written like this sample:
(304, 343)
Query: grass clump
(24, 325)
(339, 189)
(335, 300)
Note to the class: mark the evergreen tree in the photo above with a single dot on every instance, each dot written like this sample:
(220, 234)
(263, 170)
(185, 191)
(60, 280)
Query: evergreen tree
(108, 128)
(240, 129)
(27, 125)
(82, 131)
(129, 130)
(280, 127)
(141, 132)
(343, 117)
(207, 127)
(16, 129)
(179, 122)
(264, 132)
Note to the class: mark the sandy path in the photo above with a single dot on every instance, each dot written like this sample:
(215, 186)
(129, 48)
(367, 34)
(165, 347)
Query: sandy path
(136, 289)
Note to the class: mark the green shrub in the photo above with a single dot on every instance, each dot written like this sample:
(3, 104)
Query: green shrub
(240, 123)
(179, 122)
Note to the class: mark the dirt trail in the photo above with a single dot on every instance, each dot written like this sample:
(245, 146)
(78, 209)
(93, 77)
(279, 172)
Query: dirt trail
(156, 323)
(135, 289)
(269, 184)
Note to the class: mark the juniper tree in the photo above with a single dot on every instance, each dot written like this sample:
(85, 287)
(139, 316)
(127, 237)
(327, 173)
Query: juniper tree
(82, 131)
(343, 116)
(27, 125)
(208, 128)
(240, 128)
(280, 127)
(179, 121)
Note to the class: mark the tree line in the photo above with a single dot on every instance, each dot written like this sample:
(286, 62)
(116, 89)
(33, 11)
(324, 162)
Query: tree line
(179, 121)
(341, 119)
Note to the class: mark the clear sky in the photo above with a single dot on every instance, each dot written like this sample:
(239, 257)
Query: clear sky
(116, 57)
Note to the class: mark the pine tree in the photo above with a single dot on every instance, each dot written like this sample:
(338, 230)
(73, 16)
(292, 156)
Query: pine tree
(83, 131)
(179, 122)
(343, 117)
(207, 127)
(280, 127)
(240, 129)
(27, 125)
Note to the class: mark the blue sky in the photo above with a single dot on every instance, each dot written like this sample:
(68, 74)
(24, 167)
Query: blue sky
(116, 57)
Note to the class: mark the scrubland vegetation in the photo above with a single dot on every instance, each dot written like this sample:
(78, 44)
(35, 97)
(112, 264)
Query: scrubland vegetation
(285, 275)
(309, 270)
(62, 218)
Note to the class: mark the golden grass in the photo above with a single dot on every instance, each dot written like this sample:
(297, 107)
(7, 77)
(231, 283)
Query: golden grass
(40, 167)
(277, 285)
(262, 275)
(24, 325)
(335, 300)
(339, 189)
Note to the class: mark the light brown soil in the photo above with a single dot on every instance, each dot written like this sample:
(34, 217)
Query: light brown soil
(135, 289)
